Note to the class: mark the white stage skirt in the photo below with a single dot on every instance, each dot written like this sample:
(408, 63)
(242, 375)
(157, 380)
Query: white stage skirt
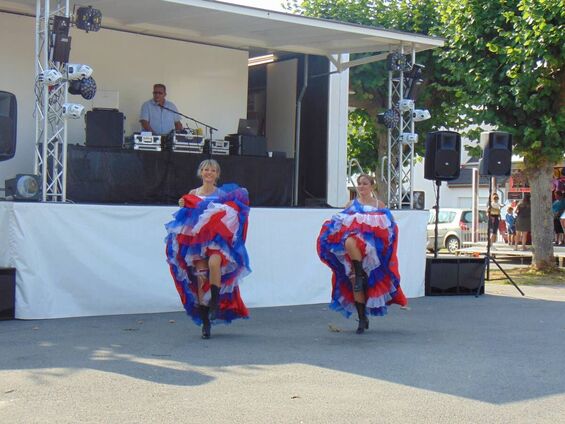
(82, 260)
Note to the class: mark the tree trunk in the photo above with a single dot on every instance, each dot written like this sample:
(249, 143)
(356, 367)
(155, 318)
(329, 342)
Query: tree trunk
(542, 217)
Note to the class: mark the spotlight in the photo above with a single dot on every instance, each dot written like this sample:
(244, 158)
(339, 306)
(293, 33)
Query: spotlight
(396, 61)
(409, 138)
(85, 87)
(77, 71)
(23, 187)
(415, 72)
(50, 77)
(406, 105)
(390, 118)
(73, 110)
(88, 88)
(421, 115)
(88, 19)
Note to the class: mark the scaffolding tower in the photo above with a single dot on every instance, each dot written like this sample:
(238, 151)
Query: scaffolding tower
(50, 126)
(400, 154)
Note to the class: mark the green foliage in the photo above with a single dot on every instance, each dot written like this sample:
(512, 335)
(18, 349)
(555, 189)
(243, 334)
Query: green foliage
(506, 63)
(361, 141)
(369, 82)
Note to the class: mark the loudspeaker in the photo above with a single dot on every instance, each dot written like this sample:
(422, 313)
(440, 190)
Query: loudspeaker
(454, 276)
(497, 153)
(443, 156)
(62, 41)
(8, 125)
(247, 145)
(104, 128)
(7, 293)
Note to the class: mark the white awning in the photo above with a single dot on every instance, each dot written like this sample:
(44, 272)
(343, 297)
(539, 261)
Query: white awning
(245, 28)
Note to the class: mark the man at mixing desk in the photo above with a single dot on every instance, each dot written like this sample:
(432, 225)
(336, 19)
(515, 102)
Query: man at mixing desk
(158, 115)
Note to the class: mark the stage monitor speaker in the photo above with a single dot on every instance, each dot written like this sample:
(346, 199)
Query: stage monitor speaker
(7, 293)
(497, 153)
(8, 125)
(104, 128)
(247, 145)
(454, 276)
(443, 156)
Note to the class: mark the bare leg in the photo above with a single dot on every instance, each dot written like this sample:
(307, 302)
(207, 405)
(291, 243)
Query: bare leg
(202, 276)
(358, 282)
(215, 264)
(201, 268)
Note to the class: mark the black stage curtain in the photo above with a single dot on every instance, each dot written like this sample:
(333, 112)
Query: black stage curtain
(118, 176)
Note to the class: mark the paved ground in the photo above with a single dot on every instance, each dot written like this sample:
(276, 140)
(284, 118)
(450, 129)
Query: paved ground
(496, 358)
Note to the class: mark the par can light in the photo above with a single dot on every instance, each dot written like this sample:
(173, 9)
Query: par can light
(23, 187)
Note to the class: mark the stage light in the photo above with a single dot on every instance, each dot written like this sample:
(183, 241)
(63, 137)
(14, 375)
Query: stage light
(50, 77)
(406, 105)
(73, 110)
(85, 87)
(396, 61)
(88, 88)
(389, 118)
(421, 115)
(261, 60)
(23, 187)
(77, 71)
(409, 138)
(88, 19)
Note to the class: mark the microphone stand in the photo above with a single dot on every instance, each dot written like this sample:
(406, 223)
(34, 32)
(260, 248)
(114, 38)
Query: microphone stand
(208, 127)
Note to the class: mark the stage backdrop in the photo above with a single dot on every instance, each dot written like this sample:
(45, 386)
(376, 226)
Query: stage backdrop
(80, 260)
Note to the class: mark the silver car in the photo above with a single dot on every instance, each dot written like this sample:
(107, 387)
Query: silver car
(454, 228)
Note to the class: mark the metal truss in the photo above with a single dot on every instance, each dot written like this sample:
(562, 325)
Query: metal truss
(400, 154)
(50, 126)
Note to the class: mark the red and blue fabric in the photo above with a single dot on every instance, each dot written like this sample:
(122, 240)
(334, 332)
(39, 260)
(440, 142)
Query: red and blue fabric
(215, 224)
(376, 236)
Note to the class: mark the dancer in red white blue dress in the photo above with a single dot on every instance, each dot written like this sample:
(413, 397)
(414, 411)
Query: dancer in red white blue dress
(359, 245)
(205, 248)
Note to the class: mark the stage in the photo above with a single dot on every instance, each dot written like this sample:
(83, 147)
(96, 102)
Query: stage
(82, 260)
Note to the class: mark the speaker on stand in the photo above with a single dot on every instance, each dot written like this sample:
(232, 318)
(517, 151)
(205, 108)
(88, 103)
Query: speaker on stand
(442, 162)
(496, 161)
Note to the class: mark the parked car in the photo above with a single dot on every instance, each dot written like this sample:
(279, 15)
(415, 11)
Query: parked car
(454, 228)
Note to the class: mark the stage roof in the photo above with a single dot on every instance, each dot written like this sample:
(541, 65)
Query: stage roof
(245, 28)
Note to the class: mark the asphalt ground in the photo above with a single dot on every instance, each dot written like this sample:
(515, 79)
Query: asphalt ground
(498, 358)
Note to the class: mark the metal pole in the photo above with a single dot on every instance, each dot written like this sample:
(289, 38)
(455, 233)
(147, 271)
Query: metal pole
(297, 131)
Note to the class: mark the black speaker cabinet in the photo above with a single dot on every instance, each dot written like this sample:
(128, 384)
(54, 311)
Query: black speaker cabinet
(7, 293)
(104, 128)
(248, 145)
(443, 156)
(454, 276)
(497, 153)
(8, 125)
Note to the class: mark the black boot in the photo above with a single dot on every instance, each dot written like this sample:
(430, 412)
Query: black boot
(363, 320)
(214, 301)
(204, 316)
(360, 280)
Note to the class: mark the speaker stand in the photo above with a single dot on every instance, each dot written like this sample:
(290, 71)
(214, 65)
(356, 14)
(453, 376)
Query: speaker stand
(488, 256)
(438, 185)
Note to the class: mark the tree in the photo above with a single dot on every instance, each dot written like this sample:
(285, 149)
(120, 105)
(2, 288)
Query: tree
(506, 62)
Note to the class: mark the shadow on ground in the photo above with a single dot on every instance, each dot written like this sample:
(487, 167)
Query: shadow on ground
(495, 349)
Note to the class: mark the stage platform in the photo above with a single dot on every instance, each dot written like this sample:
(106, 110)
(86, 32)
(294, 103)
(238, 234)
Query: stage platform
(83, 260)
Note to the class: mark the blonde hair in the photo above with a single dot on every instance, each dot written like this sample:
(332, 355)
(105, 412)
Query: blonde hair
(372, 181)
(208, 163)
